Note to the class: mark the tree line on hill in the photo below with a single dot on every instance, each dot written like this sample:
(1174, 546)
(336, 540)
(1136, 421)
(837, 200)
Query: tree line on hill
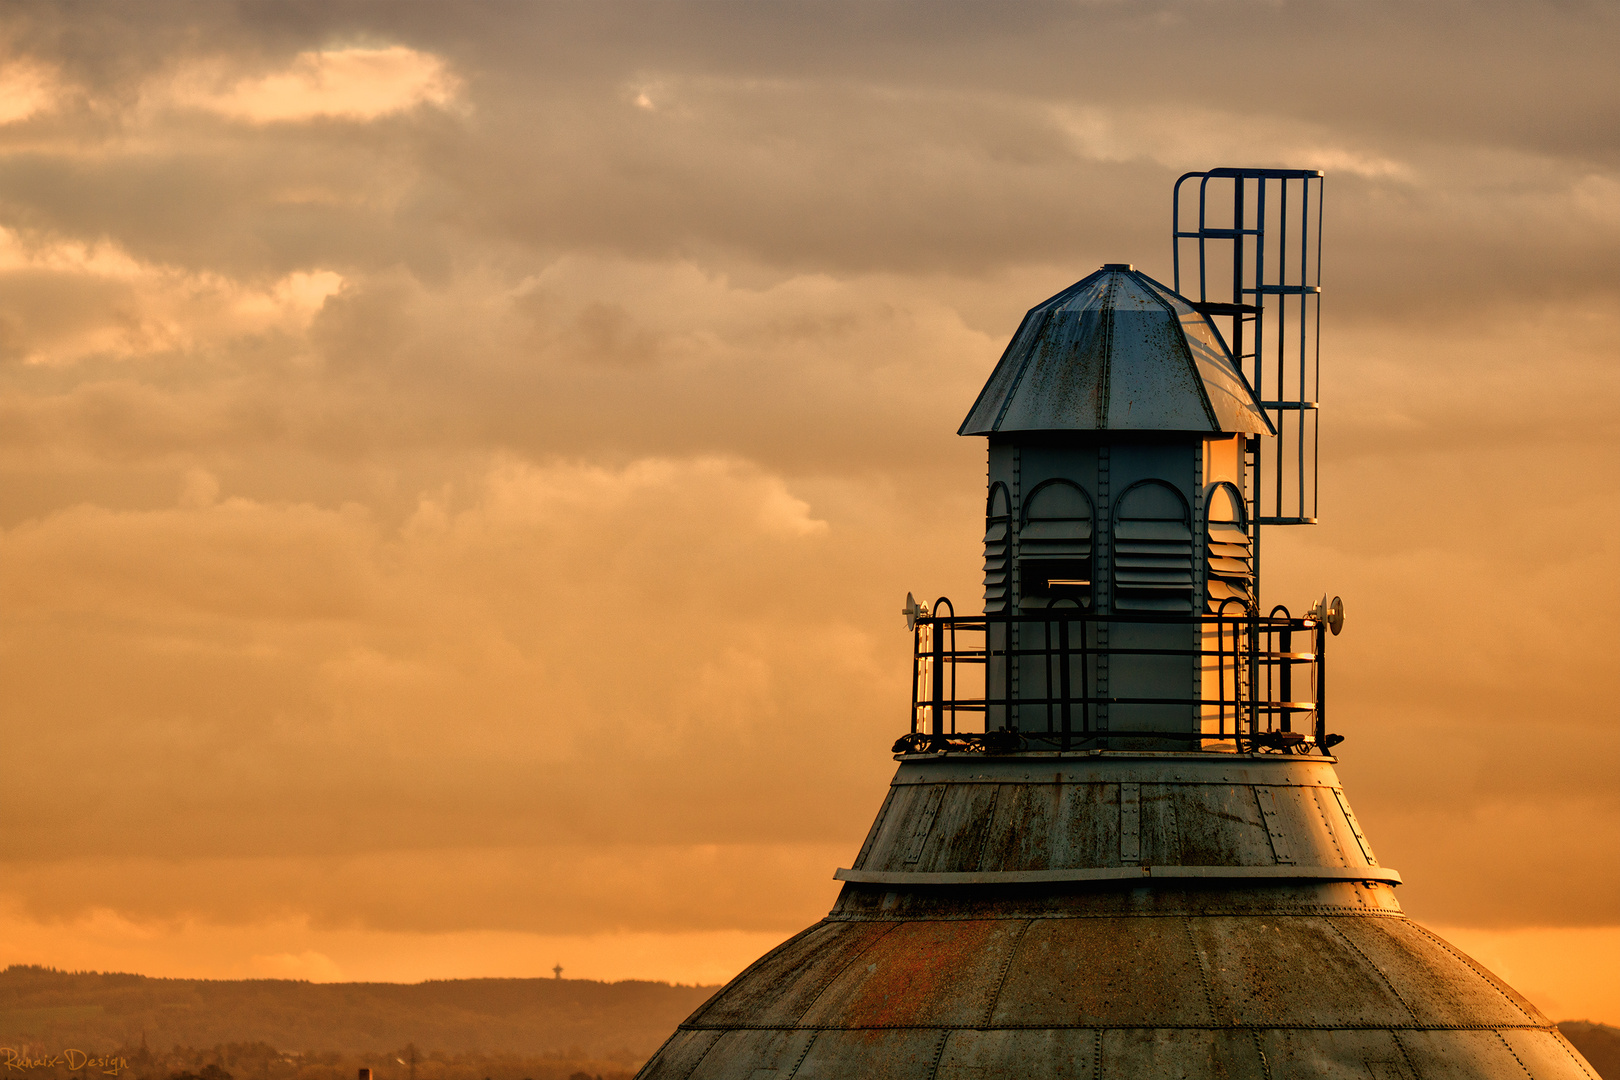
(478, 1029)
(53, 1011)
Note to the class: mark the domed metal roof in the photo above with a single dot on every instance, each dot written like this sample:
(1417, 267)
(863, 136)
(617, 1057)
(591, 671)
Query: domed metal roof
(1117, 351)
(1114, 916)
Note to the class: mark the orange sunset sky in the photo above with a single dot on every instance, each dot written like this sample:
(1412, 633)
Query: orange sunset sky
(461, 464)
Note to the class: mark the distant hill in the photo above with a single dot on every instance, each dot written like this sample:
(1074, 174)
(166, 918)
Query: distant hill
(1598, 1043)
(476, 1022)
(93, 1011)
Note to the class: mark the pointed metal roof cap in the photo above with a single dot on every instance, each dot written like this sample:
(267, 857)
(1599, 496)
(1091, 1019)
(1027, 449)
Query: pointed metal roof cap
(1117, 351)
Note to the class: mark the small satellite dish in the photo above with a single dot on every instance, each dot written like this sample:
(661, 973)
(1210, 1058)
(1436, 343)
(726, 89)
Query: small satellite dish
(1329, 615)
(913, 611)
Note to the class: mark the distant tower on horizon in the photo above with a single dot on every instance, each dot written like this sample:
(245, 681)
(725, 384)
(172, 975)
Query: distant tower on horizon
(557, 971)
(1116, 845)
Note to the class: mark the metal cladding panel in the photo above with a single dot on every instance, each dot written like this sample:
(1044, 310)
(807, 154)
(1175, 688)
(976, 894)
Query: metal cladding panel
(750, 1053)
(1024, 1054)
(1434, 980)
(1020, 836)
(1547, 1053)
(960, 829)
(904, 819)
(1158, 829)
(1131, 971)
(1088, 827)
(1116, 351)
(1179, 1054)
(1152, 383)
(871, 1055)
(1220, 825)
(1344, 1054)
(782, 984)
(1004, 384)
(679, 1056)
(1229, 396)
(924, 973)
(1062, 376)
(1293, 970)
(1056, 818)
(1463, 1055)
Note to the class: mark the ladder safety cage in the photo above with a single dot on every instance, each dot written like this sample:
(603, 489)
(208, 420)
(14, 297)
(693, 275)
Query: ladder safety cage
(1251, 240)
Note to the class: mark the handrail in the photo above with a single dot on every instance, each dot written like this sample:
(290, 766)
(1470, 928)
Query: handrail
(1050, 677)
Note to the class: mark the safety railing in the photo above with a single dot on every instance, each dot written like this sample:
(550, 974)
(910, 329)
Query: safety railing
(1068, 679)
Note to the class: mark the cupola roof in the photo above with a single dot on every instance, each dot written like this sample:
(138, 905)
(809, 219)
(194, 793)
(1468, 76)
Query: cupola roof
(1117, 351)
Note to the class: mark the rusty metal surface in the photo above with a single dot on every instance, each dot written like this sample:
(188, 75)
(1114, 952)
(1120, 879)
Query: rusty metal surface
(1191, 1053)
(922, 974)
(1259, 875)
(784, 982)
(1116, 351)
(1101, 972)
(1129, 994)
(1022, 814)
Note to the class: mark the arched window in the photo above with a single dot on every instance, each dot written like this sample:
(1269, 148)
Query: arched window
(1054, 545)
(997, 548)
(1153, 568)
(1228, 557)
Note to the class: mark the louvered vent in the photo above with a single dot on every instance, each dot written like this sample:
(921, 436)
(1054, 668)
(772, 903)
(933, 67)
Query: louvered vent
(997, 549)
(1153, 567)
(1229, 559)
(1054, 545)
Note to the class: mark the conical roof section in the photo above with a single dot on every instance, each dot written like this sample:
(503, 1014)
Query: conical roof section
(1117, 351)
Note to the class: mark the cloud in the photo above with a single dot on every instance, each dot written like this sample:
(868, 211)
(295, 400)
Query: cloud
(495, 456)
(1175, 137)
(26, 89)
(349, 83)
(76, 300)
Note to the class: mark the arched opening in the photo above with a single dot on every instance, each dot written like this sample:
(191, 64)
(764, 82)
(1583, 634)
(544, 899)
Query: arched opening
(1153, 567)
(1054, 546)
(1228, 558)
(997, 549)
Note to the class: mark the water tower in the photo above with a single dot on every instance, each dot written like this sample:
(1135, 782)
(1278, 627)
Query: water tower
(1116, 845)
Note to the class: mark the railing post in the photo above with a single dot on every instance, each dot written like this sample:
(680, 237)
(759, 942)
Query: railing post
(1063, 676)
(1321, 687)
(1286, 677)
(1254, 675)
(916, 675)
(1085, 680)
(938, 725)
